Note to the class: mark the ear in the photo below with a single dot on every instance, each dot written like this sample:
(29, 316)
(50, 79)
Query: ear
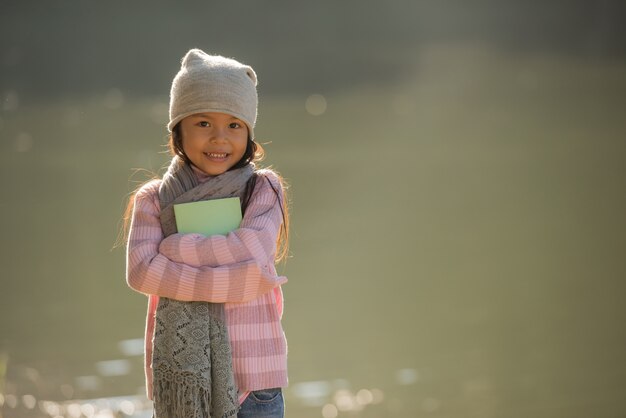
(194, 55)
(250, 73)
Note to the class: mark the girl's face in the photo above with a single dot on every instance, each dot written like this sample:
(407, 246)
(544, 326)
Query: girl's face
(214, 142)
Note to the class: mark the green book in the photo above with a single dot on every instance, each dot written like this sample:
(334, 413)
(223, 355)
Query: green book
(208, 217)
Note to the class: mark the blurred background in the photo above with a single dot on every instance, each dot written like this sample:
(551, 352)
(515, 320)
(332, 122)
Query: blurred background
(458, 187)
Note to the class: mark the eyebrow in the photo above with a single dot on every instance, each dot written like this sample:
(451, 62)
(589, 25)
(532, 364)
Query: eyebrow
(209, 116)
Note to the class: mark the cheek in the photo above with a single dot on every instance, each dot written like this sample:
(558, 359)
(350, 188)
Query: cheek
(242, 146)
(189, 143)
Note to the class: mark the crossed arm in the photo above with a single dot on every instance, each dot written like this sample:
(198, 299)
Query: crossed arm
(237, 267)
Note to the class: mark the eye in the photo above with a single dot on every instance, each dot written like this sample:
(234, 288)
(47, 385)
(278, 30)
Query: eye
(204, 124)
(234, 125)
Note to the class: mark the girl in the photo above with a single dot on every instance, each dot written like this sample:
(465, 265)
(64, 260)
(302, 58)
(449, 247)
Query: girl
(214, 342)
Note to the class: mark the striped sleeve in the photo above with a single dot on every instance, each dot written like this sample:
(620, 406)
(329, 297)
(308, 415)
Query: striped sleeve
(256, 237)
(150, 272)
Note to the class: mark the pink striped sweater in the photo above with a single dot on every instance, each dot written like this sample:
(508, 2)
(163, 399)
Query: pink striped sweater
(236, 269)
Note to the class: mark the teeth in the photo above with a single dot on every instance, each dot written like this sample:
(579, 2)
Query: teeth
(217, 155)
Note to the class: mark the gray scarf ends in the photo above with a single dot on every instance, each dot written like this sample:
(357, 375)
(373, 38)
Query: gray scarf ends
(192, 361)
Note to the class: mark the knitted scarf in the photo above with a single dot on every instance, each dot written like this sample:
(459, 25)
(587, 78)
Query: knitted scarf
(191, 361)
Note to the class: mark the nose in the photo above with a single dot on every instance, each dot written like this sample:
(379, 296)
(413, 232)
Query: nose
(219, 134)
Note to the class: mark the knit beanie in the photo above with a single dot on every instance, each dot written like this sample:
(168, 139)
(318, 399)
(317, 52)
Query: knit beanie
(212, 83)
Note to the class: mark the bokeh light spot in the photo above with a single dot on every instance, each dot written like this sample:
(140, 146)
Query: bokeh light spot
(23, 142)
(88, 410)
(330, 411)
(113, 367)
(430, 404)
(132, 347)
(88, 382)
(11, 101)
(67, 390)
(10, 401)
(127, 407)
(159, 113)
(377, 396)
(29, 401)
(316, 104)
(73, 116)
(345, 401)
(73, 410)
(364, 397)
(113, 99)
(51, 408)
(314, 393)
(406, 376)
(105, 413)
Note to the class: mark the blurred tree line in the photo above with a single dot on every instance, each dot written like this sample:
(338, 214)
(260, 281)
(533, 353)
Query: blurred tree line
(58, 48)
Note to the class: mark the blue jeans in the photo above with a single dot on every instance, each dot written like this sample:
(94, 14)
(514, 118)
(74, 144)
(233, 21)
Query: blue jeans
(266, 403)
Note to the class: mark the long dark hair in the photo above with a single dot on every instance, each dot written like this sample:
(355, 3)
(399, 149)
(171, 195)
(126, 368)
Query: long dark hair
(254, 153)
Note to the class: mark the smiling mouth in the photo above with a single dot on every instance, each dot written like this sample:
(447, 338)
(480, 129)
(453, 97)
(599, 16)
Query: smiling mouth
(216, 155)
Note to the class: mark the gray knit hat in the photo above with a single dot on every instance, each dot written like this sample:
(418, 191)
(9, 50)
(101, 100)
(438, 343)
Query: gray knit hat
(212, 83)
